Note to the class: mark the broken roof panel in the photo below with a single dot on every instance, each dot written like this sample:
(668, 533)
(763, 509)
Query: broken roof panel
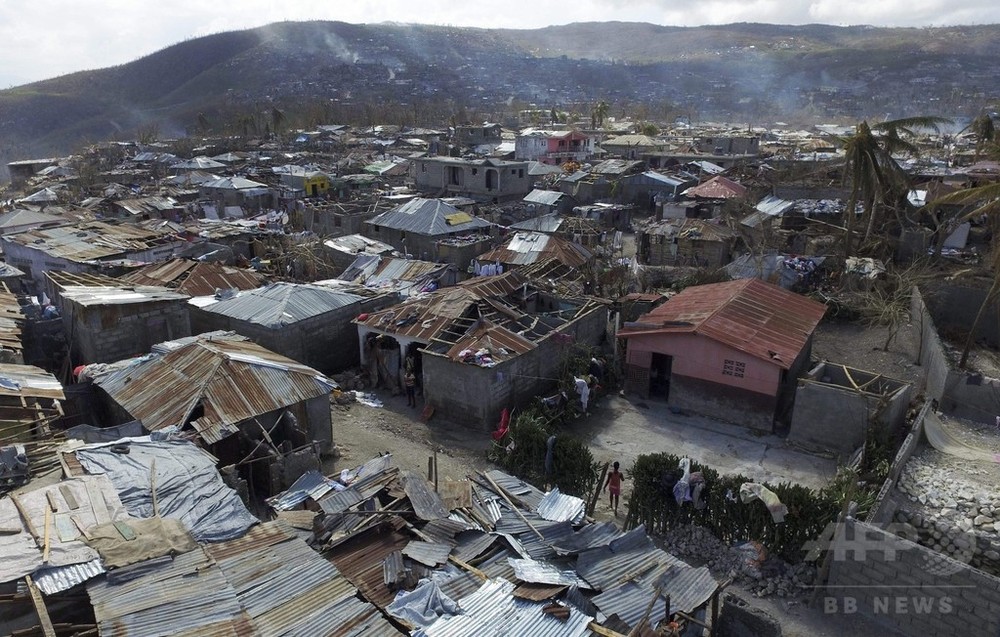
(541, 572)
(427, 553)
(560, 507)
(544, 197)
(717, 187)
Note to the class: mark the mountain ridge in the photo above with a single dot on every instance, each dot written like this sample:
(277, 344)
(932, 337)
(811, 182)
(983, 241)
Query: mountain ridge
(742, 71)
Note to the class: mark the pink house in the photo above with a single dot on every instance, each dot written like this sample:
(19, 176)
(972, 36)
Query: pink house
(552, 147)
(732, 351)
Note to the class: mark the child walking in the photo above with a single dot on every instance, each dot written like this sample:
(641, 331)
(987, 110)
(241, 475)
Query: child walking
(614, 487)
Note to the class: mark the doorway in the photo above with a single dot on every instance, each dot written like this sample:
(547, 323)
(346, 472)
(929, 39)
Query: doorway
(491, 179)
(659, 376)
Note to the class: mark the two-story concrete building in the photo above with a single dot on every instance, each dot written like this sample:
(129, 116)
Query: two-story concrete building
(488, 180)
(553, 147)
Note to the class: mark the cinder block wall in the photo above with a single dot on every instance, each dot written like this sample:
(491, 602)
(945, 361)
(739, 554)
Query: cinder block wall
(109, 333)
(909, 588)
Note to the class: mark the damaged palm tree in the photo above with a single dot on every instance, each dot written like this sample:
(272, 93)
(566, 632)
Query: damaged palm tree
(878, 183)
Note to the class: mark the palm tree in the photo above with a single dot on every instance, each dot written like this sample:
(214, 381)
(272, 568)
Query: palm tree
(600, 113)
(984, 131)
(878, 183)
(986, 202)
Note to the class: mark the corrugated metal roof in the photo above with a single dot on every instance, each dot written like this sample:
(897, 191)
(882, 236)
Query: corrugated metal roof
(692, 229)
(95, 240)
(627, 557)
(426, 217)
(266, 583)
(560, 507)
(30, 382)
(427, 504)
(427, 553)
(230, 377)
(529, 494)
(471, 544)
(717, 187)
(188, 485)
(281, 304)
(539, 572)
(687, 587)
(542, 223)
(184, 594)
(355, 244)
(360, 559)
(311, 484)
(444, 530)
(749, 315)
(544, 197)
(492, 610)
(62, 578)
(530, 247)
(590, 536)
(232, 183)
(195, 278)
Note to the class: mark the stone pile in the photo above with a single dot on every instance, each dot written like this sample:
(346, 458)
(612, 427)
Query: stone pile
(950, 514)
(746, 563)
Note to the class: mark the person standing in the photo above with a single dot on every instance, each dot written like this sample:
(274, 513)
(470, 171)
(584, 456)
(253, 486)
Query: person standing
(614, 486)
(410, 383)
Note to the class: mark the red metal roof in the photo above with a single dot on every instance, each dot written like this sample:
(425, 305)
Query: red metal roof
(717, 188)
(760, 319)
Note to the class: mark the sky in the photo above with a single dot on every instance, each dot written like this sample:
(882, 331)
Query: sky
(46, 38)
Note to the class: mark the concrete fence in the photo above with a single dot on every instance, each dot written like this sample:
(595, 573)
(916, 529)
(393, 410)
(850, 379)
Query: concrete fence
(907, 587)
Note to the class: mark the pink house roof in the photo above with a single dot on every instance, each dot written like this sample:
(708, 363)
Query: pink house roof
(749, 315)
(717, 188)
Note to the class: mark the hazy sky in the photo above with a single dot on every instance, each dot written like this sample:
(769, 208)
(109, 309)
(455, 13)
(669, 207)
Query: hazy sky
(46, 38)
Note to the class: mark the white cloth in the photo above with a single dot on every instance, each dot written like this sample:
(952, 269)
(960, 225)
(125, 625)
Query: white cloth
(583, 389)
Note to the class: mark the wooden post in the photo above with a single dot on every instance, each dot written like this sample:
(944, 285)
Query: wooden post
(598, 489)
(27, 520)
(435, 471)
(43, 614)
(430, 468)
(516, 510)
(48, 526)
(152, 487)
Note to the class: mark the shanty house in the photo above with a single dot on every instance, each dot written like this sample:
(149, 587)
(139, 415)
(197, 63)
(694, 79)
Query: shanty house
(310, 324)
(547, 201)
(732, 351)
(237, 191)
(483, 345)
(692, 242)
(524, 248)
(108, 319)
(88, 247)
(195, 278)
(586, 232)
(218, 385)
(432, 230)
(404, 277)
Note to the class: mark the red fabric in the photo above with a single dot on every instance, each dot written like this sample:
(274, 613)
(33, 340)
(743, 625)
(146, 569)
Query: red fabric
(503, 426)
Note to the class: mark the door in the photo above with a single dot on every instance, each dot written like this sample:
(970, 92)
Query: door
(659, 376)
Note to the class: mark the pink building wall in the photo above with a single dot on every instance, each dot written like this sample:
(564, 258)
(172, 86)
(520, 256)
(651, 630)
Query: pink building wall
(699, 357)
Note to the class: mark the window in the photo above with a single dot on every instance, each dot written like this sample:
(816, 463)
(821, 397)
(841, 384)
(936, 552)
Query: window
(337, 221)
(733, 368)
(475, 171)
(423, 167)
(520, 173)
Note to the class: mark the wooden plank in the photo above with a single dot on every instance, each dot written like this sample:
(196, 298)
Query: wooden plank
(50, 496)
(68, 497)
(27, 520)
(516, 510)
(48, 526)
(43, 613)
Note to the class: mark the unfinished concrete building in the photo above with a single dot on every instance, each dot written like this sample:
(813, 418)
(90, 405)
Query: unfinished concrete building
(483, 345)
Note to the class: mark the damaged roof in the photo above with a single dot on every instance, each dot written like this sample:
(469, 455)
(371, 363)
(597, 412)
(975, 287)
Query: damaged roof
(444, 318)
(195, 278)
(94, 240)
(227, 378)
(749, 315)
(431, 217)
(530, 247)
(717, 187)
